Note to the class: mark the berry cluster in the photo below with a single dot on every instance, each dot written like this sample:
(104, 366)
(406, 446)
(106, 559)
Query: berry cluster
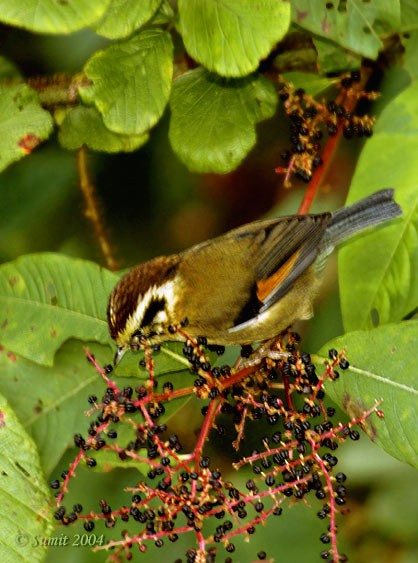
(184, 491)
(310, 120)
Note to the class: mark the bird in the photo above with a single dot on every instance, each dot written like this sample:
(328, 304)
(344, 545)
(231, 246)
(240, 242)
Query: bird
(245, 286)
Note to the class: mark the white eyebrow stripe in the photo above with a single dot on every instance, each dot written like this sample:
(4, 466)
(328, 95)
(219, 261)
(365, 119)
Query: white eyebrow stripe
(164, 291)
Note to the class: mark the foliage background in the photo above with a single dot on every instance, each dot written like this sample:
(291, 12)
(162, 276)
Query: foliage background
(153, 204)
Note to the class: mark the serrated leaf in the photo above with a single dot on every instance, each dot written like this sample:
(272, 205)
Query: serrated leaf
(131, 81)
(378, 271)
(213, 119)
(230, 37)
(45, 299)
(355, 25)
(25, 502)
(123, 17)
(50, 16)
(23, 123)
(382, 366)
(84, 126)
(51, 401)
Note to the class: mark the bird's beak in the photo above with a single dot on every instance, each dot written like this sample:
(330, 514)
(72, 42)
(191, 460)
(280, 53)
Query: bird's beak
(120, 352)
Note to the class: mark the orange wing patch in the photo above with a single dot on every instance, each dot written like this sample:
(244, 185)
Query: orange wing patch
(266, 286)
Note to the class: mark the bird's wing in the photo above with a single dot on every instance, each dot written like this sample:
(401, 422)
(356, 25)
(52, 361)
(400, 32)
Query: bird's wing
(252, 267)
(282, 250)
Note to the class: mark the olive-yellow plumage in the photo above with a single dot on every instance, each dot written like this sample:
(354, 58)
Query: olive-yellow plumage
(247, 285)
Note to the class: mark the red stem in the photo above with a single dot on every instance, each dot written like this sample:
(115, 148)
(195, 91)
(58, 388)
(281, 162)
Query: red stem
(349, 100)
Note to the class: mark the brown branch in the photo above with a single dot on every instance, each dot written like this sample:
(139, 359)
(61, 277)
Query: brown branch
(92, 209)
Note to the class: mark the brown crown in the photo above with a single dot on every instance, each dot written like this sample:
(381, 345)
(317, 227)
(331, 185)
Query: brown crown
(124, 298)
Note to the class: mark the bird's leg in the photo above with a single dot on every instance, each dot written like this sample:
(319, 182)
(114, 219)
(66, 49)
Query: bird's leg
(271, 349)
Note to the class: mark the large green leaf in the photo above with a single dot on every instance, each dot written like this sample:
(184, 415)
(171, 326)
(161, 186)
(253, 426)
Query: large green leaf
(51, 401)
(131, 81)
(355, 25)
(382, 366)
(50, 16)
(230, 37)
(123, 17)
(410, 59)
(46, 299)
(378, 271)
(84, 126)
(213, 120)
(409, 37)
(23, 123)
(25, 502)
(409, 14)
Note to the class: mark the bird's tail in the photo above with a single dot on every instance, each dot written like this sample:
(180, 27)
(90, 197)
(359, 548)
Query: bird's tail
(372, 210)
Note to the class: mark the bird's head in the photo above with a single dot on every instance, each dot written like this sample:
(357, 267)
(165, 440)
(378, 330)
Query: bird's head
(141, 306)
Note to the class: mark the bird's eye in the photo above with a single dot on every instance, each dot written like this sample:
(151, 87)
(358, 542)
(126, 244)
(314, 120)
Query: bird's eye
(156, 306)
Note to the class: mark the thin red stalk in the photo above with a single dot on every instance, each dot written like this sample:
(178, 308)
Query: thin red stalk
(320, 172)
(210, 416)
(109, 383)
(332, 505)
(287, 392)
(237, 377)
(349, 100)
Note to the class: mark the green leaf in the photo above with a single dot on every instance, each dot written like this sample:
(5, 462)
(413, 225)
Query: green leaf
(313, 84)
(213, 120)
(164, 15)
(333, 58)
(8, 69)
(46, 299)
(131, 81)
(170, 359)
(84, 126)
(50, 16)
(409, 15)
(21, 209)
(23, 123)
(123, 17)
(382, 366)
(302, 58)
(410, 58)
(354, 25)
(378, 271)
(230, 37)
(52, 401)
(108, 459)
(25, 502)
